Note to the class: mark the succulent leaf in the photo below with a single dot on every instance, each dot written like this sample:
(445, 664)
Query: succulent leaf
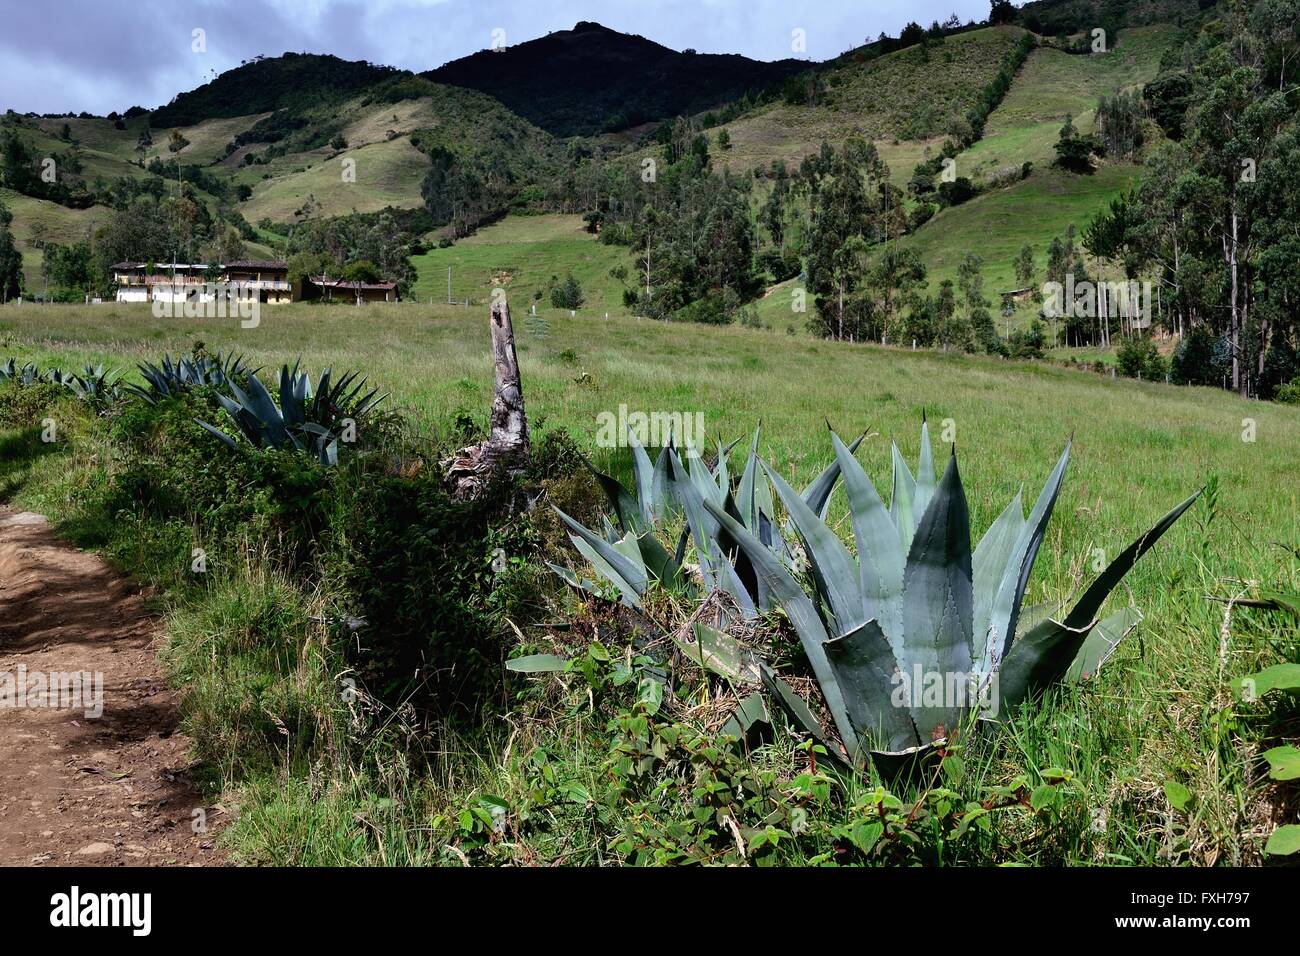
(1101, 642)
(627, 574)
(937, 601)
(992, 555)
(867, 674)
(1005, 610)
(1100, 589)
(703, 527)
(818, 493)
(832, 565)
(802, 613)
(880, 556)
(925, 476)
(902, 500)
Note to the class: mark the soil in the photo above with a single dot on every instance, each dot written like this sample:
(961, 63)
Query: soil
(108, 790)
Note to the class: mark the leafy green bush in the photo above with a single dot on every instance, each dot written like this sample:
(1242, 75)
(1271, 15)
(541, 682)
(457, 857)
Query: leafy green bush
(1201, 358)
(568, 294)
(432, 575)
(1138, 357)
(25, 405)
(1289, 394)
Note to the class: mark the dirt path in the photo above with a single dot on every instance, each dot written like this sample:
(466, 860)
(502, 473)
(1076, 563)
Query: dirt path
(106, 790)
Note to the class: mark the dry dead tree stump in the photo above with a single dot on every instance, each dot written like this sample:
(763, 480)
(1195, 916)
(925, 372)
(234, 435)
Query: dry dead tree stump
(507, 445)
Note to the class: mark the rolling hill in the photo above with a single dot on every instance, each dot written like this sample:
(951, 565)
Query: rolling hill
(302, 134)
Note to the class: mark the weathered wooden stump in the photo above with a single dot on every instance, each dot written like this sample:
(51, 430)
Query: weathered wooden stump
(507, 446)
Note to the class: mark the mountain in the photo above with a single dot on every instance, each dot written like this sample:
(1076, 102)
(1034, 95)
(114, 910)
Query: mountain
(263, 84)
(592, 79)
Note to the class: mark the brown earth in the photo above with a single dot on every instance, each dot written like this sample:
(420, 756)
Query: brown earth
(111, 790)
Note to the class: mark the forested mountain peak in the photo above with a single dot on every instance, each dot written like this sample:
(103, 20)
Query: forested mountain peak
(598, 79)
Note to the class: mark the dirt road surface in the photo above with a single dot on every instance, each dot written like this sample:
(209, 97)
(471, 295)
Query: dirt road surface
(108, 790)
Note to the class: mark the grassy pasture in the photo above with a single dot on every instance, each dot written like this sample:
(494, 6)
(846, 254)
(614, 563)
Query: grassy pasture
(1138, 449)
(1050, 86)
(900, 100)
(40, 218)
(996, 224)
(520, 254)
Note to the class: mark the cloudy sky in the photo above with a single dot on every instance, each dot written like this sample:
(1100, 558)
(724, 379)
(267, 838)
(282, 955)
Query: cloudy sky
(103, 55)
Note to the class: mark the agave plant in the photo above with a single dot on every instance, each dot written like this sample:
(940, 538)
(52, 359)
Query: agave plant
(631, 556)
(305, 419)
(915, 604)
(26, 374)
(168, 378)
(94, 384)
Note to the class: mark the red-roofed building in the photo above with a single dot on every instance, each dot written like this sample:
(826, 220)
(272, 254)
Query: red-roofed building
(168, 281)
(336, 290)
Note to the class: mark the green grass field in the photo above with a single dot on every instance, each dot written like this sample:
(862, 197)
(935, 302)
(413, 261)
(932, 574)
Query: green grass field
(1152, 717)
(995, 225)
(520, 254)
(1150, 440)
(48, 221)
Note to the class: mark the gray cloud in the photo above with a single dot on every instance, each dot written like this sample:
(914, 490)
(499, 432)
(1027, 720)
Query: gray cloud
(103, 55)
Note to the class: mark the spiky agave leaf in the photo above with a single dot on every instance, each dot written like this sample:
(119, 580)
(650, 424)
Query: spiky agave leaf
(650, 509)
(902, 499)
(1101, 642)
(833, 568)
(818, 493)
(938, 601)
(704, 529)
(1005, 606)
(866, 673)
(1044, 655)
(622, 566)
(802, 614)
(880, 554)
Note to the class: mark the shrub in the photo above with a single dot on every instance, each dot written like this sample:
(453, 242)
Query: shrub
(418, 567)
(1289, 394)
(717, 308)
(1028, 344)
(1138, 357)
(568, 294)
(22, 406)
(1198, 359)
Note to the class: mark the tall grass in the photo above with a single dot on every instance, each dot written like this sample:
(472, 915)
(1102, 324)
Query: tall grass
(1161, 711)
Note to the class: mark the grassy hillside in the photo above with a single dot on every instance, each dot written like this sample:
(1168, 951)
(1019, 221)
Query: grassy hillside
(904, 96)
(1053, 85)
(110, 160)
(47, 221)
(382, 129)
(521, 254)
(995, 225)
(387, 174)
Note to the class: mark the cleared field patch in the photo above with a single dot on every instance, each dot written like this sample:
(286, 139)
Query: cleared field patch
(387, 174)
(44, 221)
(1053, 85)
(521, 254)
(97, 133)
(904, 96)
(207, 140)
(998, 223)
